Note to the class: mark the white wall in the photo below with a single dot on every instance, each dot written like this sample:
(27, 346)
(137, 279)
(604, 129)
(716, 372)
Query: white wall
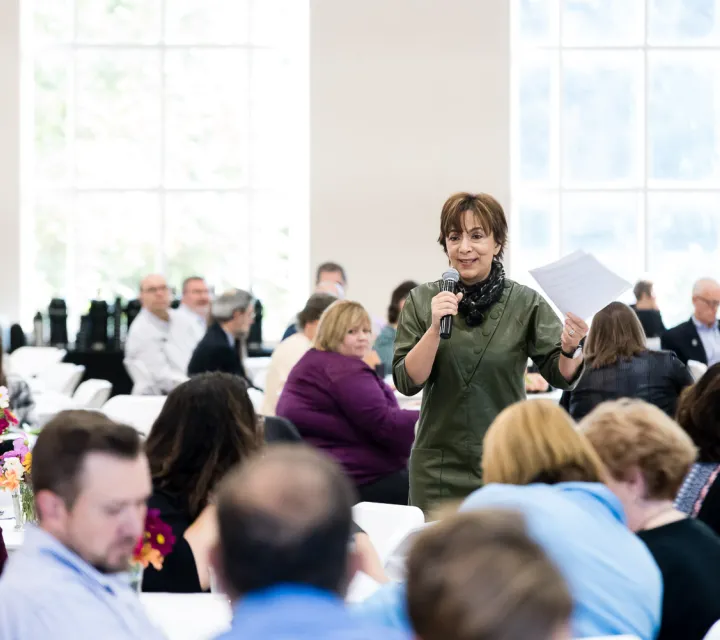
(9, 160)
(409, 102)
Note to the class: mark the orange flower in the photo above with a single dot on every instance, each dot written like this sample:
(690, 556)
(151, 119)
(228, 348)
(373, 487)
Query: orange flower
(147, 555)
(27, 463)
(10, 481)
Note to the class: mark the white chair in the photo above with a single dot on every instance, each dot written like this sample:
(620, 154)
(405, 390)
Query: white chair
(30, 361)
(92, 394)
(387, 524)
(697, 369)
(137, 411)
(714, 633)
(62, 377)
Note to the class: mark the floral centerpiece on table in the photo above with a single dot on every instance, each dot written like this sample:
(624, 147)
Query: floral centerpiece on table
(7, 418)
(16, 477)
(156, 543)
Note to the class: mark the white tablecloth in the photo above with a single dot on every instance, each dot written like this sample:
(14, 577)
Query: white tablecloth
(188, 616)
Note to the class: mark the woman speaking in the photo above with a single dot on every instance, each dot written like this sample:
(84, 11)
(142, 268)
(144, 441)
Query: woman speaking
(471, 377)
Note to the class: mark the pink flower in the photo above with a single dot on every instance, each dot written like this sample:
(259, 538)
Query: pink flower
(19, 450)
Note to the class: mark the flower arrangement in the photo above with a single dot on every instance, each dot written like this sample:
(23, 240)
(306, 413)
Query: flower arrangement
(7, 418)
(16, 477)
(156, 543)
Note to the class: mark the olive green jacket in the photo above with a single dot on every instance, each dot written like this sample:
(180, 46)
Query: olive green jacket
(477, 373)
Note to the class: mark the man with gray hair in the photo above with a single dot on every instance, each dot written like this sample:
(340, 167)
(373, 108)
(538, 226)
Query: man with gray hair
(698, 338)
(231, 316)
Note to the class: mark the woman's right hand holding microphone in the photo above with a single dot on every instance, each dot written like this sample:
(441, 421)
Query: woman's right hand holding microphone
(443, 304)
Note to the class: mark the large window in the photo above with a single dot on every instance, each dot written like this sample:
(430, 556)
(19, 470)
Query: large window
(170, 136)
(616, 138)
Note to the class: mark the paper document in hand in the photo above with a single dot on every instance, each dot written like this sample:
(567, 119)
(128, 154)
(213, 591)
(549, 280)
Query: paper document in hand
(579, 284)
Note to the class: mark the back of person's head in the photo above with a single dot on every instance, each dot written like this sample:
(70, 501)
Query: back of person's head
(632, 435)
(479, 576)
(314, 308)
(643, 289)
(91, 485)
(397, 299)
(224, 307)
(285, 518)
(615, 334)
(536, 441)
(698, 413)
(340, 318)
(330, 268)
(206, 427)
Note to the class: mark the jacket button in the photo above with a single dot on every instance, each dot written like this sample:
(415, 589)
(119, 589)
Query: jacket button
(495, 315)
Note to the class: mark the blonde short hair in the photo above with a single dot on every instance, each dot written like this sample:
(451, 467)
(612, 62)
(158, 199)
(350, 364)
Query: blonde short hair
(536, 441)
(630, 434)
(339, 318)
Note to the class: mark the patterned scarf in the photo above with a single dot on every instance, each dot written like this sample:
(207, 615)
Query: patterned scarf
(697, 483)
(478, 298)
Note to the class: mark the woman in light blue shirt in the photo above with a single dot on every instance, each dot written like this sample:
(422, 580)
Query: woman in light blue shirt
(385, 342)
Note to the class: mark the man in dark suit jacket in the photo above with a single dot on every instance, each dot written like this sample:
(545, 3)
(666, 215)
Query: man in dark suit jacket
(646, 309)
(219, 350)
(698, 338)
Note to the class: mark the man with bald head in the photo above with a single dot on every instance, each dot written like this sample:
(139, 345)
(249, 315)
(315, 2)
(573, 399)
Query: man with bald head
(698, 338)
(148, 354)
(284, 555)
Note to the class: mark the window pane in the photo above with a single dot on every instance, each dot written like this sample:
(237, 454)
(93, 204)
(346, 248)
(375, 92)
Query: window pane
(206, 118)
(47, 277)
(535, 153)
(533, 239)
(207, 234)
(684, 245)
(535, 21)
(683, 22)
(118, 118)
(602, 118)
(609, 22)
(684, 117)
(280, 23)
(119, 21)
(53, 163)
(606, 225)
(53, 20)
(206, 21)
(115, 244)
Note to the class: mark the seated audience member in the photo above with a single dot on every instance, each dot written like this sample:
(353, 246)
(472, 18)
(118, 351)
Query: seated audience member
(22, 403)
(288, 352)
(550, 473)
(646, 309)
(206, 427)
(699, 338)
(329, 278)
(648, 455)
(385, 342)
(232, 315)
(147, 342)
(618, 365)
(699, 415)
(91, 483)
(283, 555)
(340, 405)
(479, 575)
(190, 320)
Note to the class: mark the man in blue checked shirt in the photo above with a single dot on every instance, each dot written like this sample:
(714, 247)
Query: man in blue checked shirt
(67, 582)
(284, 555)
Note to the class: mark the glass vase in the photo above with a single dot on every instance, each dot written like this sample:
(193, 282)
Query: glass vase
(135, 577)
(18, 510)
(27, 503)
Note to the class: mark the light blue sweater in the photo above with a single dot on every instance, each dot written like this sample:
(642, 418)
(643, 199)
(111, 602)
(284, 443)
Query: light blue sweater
(614, 581)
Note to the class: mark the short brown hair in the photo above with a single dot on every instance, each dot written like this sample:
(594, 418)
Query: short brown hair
(65, 442)
(314, 308)
(642, 288)
(536, 441)
(399, 294)
(339, 318)
(330, 267)
(615, 334)
(479, 575)
(698, 413)
(487, 211)
(631, 434)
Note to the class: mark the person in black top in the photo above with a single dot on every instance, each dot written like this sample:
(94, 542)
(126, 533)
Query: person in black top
(220, 349)
(647, 456)
(647, 310)
(619, 365)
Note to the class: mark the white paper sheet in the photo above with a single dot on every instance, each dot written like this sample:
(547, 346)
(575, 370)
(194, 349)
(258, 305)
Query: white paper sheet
(579, 284)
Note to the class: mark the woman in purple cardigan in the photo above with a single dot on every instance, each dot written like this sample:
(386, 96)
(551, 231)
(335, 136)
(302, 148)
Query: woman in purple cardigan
(339, 405)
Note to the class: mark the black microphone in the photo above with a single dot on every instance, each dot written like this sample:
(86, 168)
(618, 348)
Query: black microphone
(449, 280)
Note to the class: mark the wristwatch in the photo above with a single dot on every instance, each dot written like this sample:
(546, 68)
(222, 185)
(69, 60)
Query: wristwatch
(571, 354)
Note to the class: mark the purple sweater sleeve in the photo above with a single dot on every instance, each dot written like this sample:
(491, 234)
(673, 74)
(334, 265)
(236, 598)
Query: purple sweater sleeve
(374, 410)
